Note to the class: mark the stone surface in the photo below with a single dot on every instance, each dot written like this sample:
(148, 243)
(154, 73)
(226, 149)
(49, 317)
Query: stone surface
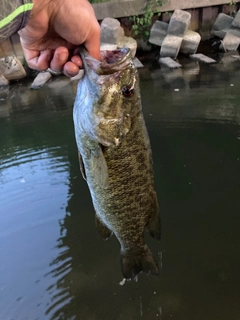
(203, 58)
(170, 46)
(223, 22)
(236, 20)
(170, 63)
(111, 31)
(12, 68)
(179, 23)
(107, 46)
(128, 42)
(41, 79)
(230, 42)
(3, 81)
(137, 63)
(190, 42)
(234, 31)
(220, 33)
(158, 32)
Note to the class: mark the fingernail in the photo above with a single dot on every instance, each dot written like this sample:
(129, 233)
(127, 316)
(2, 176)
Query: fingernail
(63, 56)
(78, 62)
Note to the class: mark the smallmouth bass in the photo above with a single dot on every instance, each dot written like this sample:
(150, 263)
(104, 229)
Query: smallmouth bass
(115, 156)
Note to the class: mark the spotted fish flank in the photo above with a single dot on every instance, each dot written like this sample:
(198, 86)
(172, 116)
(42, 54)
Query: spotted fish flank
(115, 157)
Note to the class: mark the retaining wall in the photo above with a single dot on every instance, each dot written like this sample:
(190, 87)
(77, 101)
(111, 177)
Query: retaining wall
(126, 8)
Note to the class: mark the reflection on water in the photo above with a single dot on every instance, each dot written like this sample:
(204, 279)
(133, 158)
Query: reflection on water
(54, 265)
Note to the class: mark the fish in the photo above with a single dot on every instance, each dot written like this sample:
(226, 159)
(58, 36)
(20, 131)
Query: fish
(115, 157)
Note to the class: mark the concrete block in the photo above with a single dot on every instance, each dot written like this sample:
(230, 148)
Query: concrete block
(230, 42)
(223, 22)
(220, 33)
(111, 31)
(128, 42)
(201, 57)
(236, 20)
(179, 23)
(107, 46)
(171, 46)
(234, 31)
(158, 32)
(3, 81)
(169, 62)
(12, 68)
(41, 79)
(190, 42)
(138, 64)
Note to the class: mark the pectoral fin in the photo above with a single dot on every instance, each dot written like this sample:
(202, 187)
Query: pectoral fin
(81, 166)
(98, 167)
(102, 230)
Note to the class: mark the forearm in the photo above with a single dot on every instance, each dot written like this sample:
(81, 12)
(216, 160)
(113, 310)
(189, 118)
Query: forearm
(14, 16)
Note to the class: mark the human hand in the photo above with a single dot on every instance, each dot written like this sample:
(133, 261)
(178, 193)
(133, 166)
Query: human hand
(54, 32)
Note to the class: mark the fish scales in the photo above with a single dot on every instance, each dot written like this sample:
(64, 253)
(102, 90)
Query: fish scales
(116, 159)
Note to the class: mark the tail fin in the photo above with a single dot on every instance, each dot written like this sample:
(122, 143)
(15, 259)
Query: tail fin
(133, 263)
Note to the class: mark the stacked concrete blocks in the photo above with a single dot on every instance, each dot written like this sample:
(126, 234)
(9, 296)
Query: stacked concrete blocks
(112, 37)
(158, 32)
(175, 36)
(227, 28)
(179, 23)
(190, 42)
(171, 46)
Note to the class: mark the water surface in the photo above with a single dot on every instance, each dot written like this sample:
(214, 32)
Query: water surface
(54, 265)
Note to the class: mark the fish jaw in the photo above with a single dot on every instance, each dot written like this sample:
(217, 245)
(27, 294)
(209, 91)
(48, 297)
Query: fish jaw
(104, 110)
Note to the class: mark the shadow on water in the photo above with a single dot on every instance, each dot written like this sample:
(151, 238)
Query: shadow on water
(54, 265)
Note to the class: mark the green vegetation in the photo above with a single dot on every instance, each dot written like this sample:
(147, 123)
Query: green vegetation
(233, 5)
(142, 24)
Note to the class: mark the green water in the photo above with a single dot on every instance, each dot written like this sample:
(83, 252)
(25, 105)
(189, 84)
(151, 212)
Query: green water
(54, 265)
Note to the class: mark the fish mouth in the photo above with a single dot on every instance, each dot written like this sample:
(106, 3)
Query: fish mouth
(111, 60)
(114, 56)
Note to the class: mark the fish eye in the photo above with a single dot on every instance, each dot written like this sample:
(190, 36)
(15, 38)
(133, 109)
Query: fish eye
(127, 91)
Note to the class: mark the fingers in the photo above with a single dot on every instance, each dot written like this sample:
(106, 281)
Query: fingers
(38, 60)
(56, 60)
(60, 57)
(70, 69)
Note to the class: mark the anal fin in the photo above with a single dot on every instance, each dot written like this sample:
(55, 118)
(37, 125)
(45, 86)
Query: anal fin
(154, 227)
